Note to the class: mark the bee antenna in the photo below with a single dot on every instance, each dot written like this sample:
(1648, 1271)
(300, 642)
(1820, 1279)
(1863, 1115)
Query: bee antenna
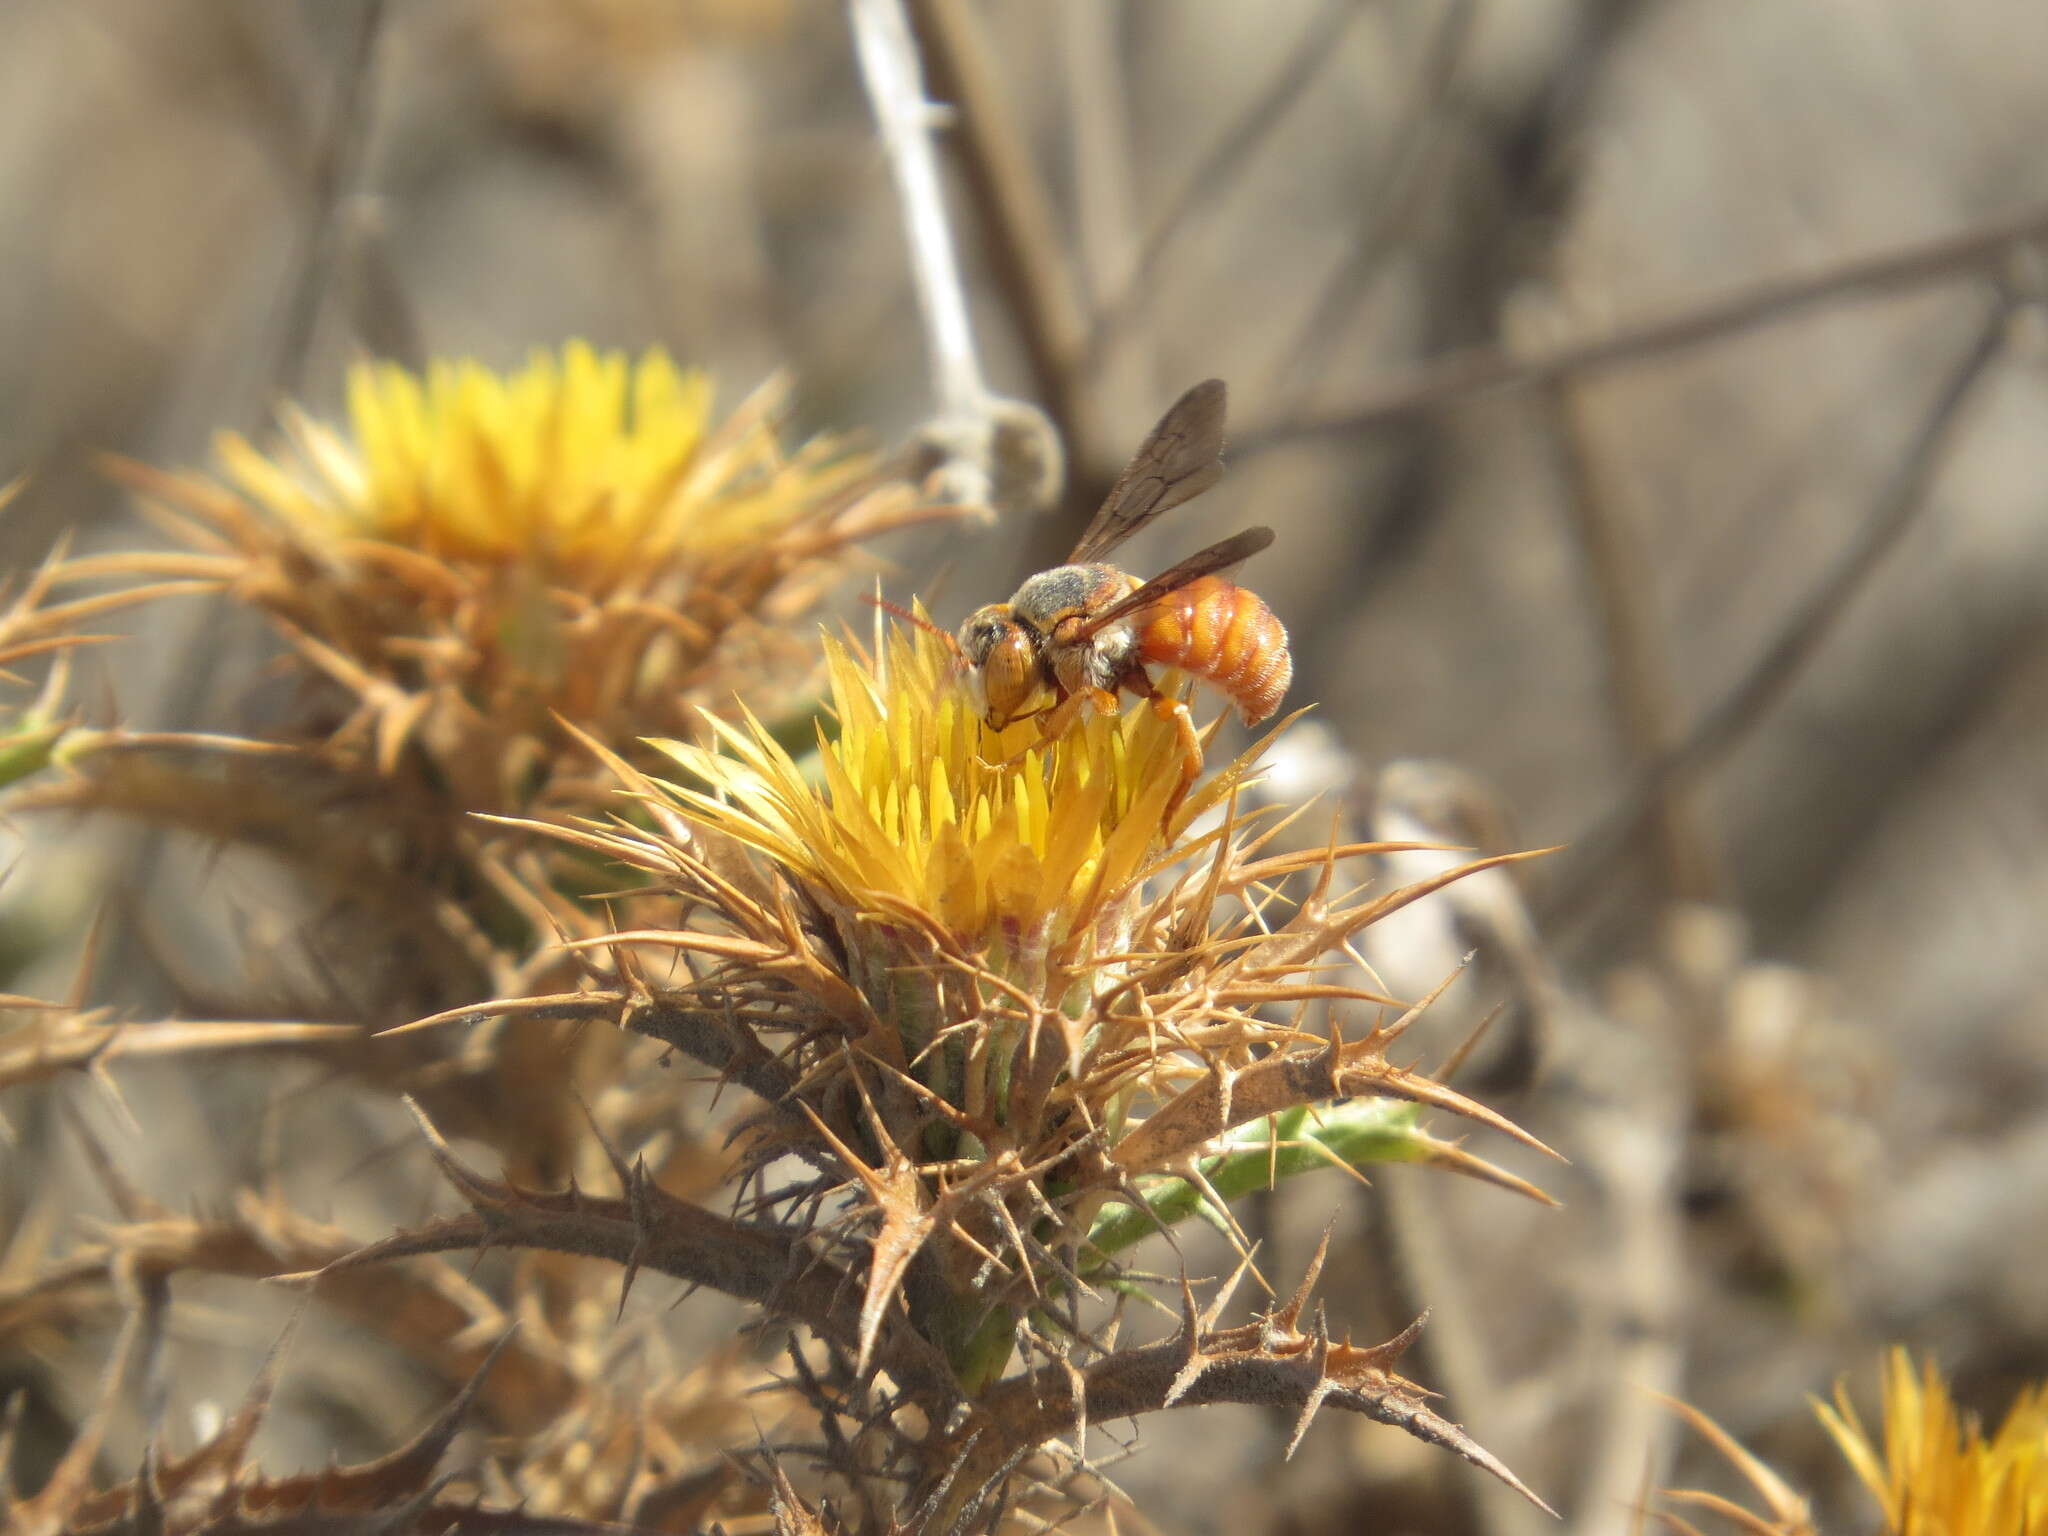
(916, 619)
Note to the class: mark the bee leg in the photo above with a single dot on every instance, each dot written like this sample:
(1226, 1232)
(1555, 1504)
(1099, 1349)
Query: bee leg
(1066, 714)
(1176, 713)
(1056, 719)
(1105, 701)
(999, 764)
(1190, 752)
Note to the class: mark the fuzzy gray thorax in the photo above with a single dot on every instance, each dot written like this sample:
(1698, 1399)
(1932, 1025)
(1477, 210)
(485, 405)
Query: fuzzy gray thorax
(1064, 590)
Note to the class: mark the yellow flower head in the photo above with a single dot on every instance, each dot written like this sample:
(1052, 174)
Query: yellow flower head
(999, 839)
(476, 554)
(1935, 1473)
(598, 469)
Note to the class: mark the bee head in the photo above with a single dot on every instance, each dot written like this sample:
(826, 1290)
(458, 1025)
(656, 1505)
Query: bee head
(999, 662)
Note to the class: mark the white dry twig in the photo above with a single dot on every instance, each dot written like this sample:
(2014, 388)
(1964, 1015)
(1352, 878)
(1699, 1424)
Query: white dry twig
(980, 437)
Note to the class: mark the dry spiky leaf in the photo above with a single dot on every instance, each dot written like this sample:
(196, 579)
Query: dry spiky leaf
(213, 1491)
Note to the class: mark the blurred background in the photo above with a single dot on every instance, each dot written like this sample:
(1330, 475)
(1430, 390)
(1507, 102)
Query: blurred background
(1651, 399)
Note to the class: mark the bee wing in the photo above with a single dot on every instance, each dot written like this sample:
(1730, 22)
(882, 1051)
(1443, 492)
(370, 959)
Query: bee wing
(1217, 557)
(1182, 458)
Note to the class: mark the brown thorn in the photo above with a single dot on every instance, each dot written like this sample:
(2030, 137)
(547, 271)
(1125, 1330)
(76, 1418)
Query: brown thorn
(1214, 1311)
(1289, 1316)
(1194, 1362)
(1312, 1401)
(128, 1197)
(1384, 1355)
(637, 1184)
(1400, 1026)
(1458, 1057)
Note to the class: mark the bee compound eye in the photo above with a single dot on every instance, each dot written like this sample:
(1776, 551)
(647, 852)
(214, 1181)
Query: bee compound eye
(1008, 678)
(984, 631)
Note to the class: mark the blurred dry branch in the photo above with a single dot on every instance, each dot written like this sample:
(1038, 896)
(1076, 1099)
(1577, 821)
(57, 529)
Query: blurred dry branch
(333, 181)
(1451, 380)
(1686, 860)
(1647, 400)
(1803, 631)
(1220, 164)
(1387, 211)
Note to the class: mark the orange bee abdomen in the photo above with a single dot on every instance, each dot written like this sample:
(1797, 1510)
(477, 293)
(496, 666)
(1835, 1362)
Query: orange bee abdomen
(1223, 633)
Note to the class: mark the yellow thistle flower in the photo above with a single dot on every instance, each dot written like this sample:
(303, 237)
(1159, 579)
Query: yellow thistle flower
(601, 469)
(967, 916)
(465, 561)
(1007, 843)
(477, 553)
(1015, 1022)
(1935, 1473)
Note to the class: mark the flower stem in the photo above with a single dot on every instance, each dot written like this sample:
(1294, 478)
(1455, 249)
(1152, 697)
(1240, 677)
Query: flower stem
(1258, 1155)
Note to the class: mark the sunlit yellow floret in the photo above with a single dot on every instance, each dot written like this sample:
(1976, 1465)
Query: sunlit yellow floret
(922, 806)
(1936, 1474)
(593, 466)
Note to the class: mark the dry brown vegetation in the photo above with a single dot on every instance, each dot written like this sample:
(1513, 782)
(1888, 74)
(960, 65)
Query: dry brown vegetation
(1646, 394)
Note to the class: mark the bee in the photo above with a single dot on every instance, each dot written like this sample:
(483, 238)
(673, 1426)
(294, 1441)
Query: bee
(1085, 631)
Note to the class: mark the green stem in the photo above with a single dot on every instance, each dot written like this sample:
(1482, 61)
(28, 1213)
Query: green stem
(980, 1359)
(1260, 1154)
(29, 749)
